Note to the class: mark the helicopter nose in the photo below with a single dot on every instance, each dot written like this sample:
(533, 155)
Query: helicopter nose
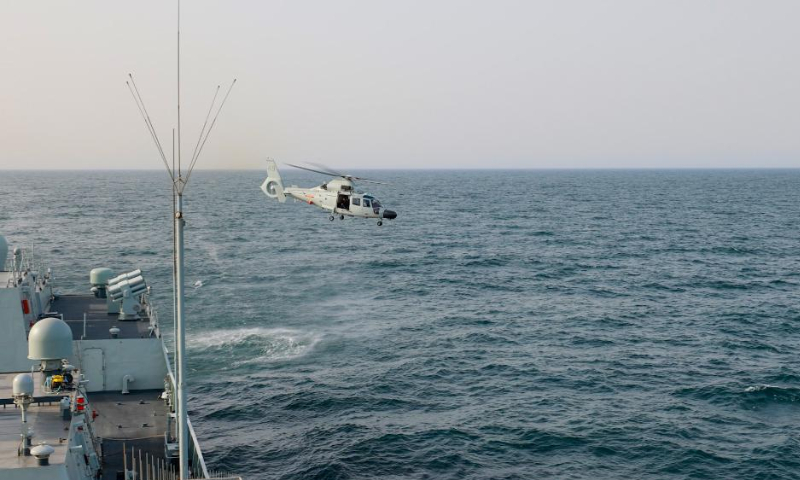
(390, 214)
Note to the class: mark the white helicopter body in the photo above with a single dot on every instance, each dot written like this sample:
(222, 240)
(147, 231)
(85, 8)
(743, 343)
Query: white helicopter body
(338, 196)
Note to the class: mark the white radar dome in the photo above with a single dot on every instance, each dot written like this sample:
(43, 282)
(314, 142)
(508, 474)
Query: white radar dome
(3, 251)
(50, 339)
(100, 276)
(22, 385)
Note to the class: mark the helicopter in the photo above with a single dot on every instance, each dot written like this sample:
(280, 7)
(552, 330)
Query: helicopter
(338, 195)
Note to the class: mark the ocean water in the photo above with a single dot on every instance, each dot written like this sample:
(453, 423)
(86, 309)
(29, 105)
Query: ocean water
(507, 325)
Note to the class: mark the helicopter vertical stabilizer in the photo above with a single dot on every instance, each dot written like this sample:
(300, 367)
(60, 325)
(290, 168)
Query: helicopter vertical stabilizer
(273, 185)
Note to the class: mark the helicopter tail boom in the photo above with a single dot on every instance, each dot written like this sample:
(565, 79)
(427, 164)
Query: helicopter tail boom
(273, 185)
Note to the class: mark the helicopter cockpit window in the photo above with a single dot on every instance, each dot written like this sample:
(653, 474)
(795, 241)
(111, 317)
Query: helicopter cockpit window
(366, 202)
(356, 201)
(376, 203)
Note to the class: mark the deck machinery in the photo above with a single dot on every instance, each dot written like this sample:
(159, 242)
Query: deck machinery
(86, 383)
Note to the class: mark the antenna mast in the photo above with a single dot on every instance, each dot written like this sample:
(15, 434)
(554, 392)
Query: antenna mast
(179, 88)
(179, 183)
(180, 334)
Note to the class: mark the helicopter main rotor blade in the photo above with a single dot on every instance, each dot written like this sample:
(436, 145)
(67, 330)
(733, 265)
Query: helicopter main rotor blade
(330, 171)
(315, 171)
(349, 177)
(369, 181)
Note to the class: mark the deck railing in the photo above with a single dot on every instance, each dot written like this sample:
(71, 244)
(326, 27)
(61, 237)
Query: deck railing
(143, 466)
(196, 461)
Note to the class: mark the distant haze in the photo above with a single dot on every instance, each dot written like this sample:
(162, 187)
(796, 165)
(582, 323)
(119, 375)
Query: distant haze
(406, 84)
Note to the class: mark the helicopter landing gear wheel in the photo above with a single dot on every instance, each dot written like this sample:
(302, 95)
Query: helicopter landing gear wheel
(341, 217)
(380, 223)
(330, 218)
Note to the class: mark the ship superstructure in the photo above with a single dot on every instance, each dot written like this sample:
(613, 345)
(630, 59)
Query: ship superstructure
(86, 383)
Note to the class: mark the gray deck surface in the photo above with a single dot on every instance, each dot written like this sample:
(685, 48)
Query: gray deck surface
(137, 420)
(136, 415)
(44, 419)
(98, 321)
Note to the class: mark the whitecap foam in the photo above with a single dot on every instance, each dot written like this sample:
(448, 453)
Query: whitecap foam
(761, 388)
(269, 344)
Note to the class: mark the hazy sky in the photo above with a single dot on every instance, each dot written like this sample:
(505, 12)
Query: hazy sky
(407, 84)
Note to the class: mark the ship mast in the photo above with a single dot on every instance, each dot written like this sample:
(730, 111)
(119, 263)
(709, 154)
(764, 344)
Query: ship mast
(180, 327)
(180, 334)
(179, 182)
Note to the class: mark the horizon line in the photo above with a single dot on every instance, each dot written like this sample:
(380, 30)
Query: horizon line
(403, 169)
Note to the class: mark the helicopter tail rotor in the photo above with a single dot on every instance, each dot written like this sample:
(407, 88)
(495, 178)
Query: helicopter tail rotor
(273, 185)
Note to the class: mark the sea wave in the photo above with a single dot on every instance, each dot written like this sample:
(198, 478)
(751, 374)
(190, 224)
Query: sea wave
(260, 344)
(602, 325)
(772, 394)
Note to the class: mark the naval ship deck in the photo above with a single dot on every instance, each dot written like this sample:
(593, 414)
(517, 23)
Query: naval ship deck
(44, 419)
(136, 420)
(98, 320)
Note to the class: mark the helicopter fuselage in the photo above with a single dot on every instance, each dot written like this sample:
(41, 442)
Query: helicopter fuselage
(338, 196)
(342, 201)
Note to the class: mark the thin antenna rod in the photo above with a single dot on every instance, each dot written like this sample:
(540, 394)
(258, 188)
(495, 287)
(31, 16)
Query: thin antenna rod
(144, 116)
(225, 99)
(202, 130)
(179, 88)
(150, 128)
(149, 121)
(173, 155)
(194, 160)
